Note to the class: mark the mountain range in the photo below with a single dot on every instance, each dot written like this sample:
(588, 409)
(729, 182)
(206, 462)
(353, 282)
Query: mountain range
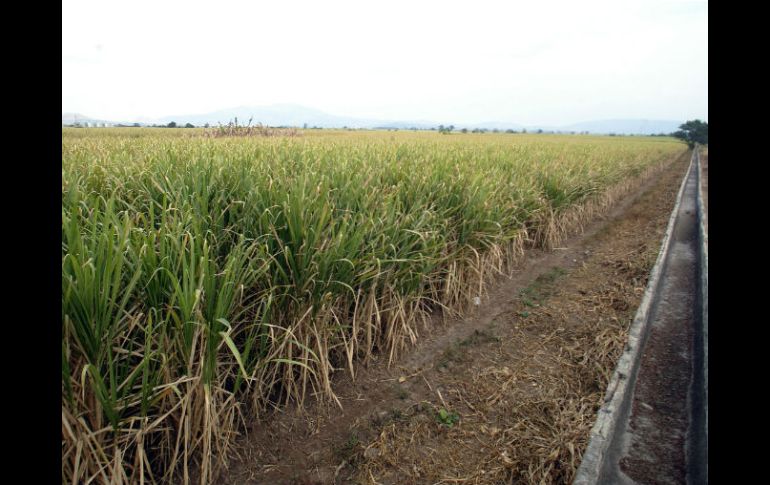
(296, 115)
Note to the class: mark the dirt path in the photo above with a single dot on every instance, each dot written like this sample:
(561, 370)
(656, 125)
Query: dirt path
(506, 395)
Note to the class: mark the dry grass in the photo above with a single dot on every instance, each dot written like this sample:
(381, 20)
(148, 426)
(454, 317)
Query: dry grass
(542, 414)
(526, 403)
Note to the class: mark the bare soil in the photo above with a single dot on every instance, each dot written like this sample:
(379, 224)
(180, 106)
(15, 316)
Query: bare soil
(506, 395)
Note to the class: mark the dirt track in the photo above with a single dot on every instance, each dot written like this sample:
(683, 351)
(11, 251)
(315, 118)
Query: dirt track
(519, 382)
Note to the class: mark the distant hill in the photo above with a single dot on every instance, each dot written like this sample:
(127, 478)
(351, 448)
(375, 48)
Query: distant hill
(598, 127)
(296, 115)
(69, 119)
(496, 125)
(285, 115)
(73, 118)
(626, 127)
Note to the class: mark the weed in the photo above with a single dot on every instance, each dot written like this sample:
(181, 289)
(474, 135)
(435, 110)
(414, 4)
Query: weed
(347, 450)
(534, 294)
(397, 415)
(479, 337)
(456, 353)
(447, 418)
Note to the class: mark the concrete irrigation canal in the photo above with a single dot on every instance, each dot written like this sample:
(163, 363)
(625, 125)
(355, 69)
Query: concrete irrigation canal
(652, 427)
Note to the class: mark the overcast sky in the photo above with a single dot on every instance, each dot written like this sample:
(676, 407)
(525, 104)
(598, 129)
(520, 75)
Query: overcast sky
(531, 62)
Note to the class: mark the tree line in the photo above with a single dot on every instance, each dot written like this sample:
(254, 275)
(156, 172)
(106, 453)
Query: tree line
(691, 132)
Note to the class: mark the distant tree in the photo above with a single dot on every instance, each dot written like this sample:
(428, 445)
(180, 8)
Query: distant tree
(509, 131)
(136, 125)
(441, 128)
(692, 132)
(206, 125)
(304, 127)
(171, 125)
(450, 128)
(539, 131)
(495, 131)
(464, 130)
(524, 130)
(189, 125)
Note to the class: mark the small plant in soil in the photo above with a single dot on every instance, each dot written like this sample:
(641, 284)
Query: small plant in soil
(479, 337)
(397, 415)
(528, 302)
(455, 353)
(447, 418)
(347, 450)
(540, 289)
